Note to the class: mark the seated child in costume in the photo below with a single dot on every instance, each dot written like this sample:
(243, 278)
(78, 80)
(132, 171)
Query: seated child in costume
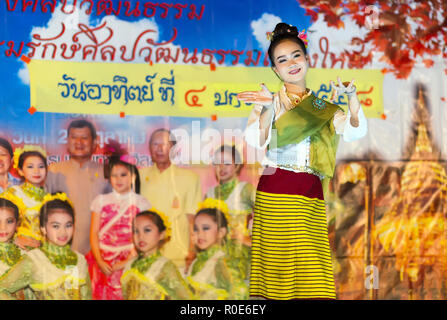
(239, 197)
(152, 276)
(53, 271)
(111, 230)
(31, 164)
(210, 275)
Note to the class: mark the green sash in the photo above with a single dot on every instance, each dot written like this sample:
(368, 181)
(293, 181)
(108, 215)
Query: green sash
(311, 117)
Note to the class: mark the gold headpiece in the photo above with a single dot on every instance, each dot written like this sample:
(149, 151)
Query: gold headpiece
(165, 220)
(58, 196)
(211, 203)
(18, 152)
(18, 202)
(302, 35)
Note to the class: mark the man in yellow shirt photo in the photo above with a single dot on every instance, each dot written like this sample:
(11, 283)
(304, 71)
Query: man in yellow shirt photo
(174, 191)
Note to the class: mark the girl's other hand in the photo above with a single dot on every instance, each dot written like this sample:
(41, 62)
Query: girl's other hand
(105, 267)
(263, 97)
(119, 265)
(347, 88)
(133, 254)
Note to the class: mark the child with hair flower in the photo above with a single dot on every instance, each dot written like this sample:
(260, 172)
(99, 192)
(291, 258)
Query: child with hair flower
(53, 271)
(10, 253)
(239, 197)
(152, 276)
(11, 208)
(31, 163)
(210, 275)
(111, 230)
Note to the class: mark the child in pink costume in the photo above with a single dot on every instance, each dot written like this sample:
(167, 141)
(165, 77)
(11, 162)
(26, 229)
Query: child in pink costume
(111, 230)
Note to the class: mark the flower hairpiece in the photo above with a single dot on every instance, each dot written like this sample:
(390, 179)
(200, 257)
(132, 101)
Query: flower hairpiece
(58, 196)
(18, 152)
(114, 149)
(18, 202)
(211, 203)
(165, 220)
(303, 36)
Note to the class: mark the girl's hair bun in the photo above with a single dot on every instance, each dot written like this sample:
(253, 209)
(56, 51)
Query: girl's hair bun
(283, 29)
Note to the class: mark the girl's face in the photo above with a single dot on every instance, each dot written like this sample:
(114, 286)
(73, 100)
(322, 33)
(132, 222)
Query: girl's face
(8, 224)
(121, 179)
(290, 62)
(5, 161)
(206, 232)
(59, 228)
(225, 167)
(33, 170)
(146, 235)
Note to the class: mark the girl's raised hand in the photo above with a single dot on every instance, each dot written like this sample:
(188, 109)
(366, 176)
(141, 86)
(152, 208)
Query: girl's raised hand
(263, 97)
(350, 90)
(342, 88)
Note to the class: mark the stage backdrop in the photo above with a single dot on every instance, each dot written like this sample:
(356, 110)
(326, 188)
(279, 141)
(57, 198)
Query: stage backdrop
(134, 66)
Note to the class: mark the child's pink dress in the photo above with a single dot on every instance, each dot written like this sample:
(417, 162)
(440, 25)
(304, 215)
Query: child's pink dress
(116, 213)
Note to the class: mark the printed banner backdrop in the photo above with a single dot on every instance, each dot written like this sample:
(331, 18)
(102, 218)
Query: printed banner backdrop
(172, 90)
(131, 68)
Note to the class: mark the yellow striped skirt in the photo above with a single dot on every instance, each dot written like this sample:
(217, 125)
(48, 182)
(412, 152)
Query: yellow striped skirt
(291, 257)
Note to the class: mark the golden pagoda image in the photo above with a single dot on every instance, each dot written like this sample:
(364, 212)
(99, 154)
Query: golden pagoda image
(414, 229)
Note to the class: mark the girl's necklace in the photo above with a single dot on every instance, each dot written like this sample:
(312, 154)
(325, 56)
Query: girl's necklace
(203, 256)
(61, 257)
(37, 193)
(142, 264)
(9, 253)
(298, 98)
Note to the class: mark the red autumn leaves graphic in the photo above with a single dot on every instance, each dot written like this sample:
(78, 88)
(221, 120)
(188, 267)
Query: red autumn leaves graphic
(404, 34)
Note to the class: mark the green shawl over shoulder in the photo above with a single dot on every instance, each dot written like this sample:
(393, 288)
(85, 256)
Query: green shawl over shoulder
(311, 117)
